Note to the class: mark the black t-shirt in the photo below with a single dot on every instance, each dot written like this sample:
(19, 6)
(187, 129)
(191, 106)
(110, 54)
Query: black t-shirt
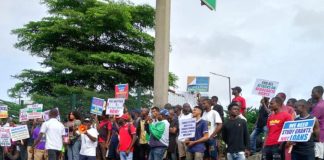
(220, 111)
(305, 148)
(262, 117)
(172, 136)
(236, 136)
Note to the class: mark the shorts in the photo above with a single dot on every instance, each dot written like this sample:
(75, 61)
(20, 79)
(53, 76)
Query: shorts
(211, 148)
(182, 148)
(319, 150)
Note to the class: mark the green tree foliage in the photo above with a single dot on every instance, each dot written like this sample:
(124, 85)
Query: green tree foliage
(87, 47)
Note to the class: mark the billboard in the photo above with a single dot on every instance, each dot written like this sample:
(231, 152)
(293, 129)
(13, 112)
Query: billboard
(197, 84)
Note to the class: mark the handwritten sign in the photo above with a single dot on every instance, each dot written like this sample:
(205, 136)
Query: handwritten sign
(115, 106)
(187, 128)
(97, 106)
(5, 137)
(19, 133)
(23, 115)
(121, 91)
(46, 115)
(265, 88)
(4, 111)
(297, 131)
(35, 111)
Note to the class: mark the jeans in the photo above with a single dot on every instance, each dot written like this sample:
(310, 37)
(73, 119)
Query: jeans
(73, 150)
(211, 148)
(123, 156)
(296, 156)
(157, 153)
(82, 157)
(255, 133)
(194, 156)
(236, 156)
(53, 154)
(272, 152)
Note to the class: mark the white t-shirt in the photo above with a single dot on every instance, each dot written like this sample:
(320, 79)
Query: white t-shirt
(53, 130)
(88, 147)
(212, 117)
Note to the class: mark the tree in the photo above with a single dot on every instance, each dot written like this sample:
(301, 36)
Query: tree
(87, 47)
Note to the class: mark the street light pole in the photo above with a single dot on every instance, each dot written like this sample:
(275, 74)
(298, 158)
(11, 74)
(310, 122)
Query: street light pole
(229, 84)
(161, 53)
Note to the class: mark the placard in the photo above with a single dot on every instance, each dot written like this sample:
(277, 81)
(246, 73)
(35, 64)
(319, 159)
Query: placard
(19, 133)
(115, 106)
(23, 115)
(121, 91)
(97, 106)
(46, 115)
(3, 111)
(5, 137)
(297, 131)
(187, 128)
(35, 111)
(265, 88)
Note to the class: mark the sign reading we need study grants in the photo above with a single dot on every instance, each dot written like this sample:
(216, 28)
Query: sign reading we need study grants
(265, 88)
(115, 106)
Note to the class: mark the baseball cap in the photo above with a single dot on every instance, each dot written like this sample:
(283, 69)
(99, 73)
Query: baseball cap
(237, 88)
(164, 112)
(125, 117)
(86, 120)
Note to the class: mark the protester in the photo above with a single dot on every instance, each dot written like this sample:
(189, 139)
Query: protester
(173, 133)
(142, 147)
(214, 127)
(235, 134)
(39, 151)
(73, 147)
(181, 145)
(127, 138)
(260, 124)
(11, 153)
(196, 145)
(54, 132)
(272, 148)
(178, 110)
(30, 141)
(217, 107)
(89, 141)
(104, 128)
(240, 105)
(318, 112)
(305, 150)
(236, 91)
(291, 102)
(159, 133)
(113, 143)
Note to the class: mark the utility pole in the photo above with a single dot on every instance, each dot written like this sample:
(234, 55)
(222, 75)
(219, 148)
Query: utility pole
(161, 53)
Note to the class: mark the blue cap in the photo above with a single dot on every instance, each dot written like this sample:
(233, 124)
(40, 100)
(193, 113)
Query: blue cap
(164, 112)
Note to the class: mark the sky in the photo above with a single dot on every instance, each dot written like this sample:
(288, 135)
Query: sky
(275, 40)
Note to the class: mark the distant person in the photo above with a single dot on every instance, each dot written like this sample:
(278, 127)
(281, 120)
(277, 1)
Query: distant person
(104, 128)
(318, 112)
(39, 151)
(173, 133)
(235, 134)
(261, 123)
(196, 145)
(143, 147)
(291, 102)
(217, 107)
(89, 141)
(73, 148)
(127, 138)
(54, 131)
(272, 148)
(236, 91)
(214, 127)
(182, 148)
(305, 150)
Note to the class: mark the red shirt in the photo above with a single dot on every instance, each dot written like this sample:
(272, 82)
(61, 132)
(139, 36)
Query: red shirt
(242, 101)
(125, 140)
(103, 123)
(275, 124)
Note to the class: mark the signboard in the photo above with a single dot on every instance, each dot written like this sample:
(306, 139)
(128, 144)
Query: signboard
(197, 84)
(121, 91)
(23, 115)
(97, 106)
(19, 133)
(297, 131)
(35, 111)
(265, 88)
(46, 115)
(4, 111)
(5, 137)
(115, 106)
(211, 4)
(187, 128)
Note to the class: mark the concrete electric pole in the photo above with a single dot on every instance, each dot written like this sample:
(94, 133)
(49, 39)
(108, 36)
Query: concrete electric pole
(161, 53)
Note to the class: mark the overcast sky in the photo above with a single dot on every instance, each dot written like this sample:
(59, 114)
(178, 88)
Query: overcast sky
(276, 40)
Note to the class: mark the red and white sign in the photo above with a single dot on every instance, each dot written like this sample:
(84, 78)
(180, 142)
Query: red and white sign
(265, 88)
(121, 91)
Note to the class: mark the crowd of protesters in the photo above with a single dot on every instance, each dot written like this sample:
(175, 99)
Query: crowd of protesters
(152, 133)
